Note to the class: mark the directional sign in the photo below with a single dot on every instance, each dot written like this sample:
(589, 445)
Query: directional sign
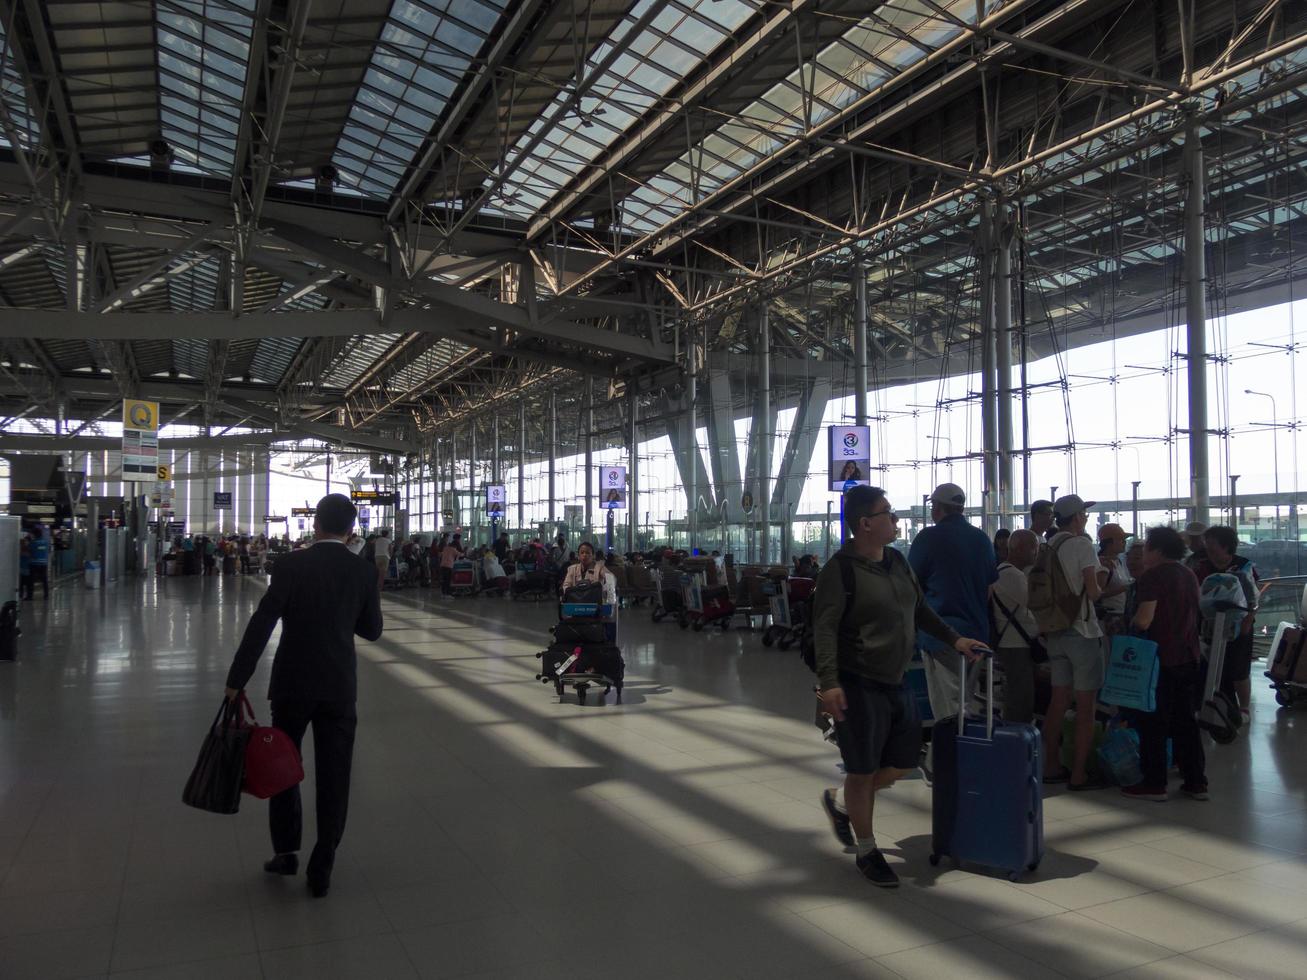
(140, 452)
(222, 500)
(163, 473)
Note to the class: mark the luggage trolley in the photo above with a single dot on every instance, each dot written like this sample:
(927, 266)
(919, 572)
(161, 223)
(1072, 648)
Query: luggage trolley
(705, 603)
(1286, 664)
(584, 652)
(1223, 607)
(463, 577)
(791, 605)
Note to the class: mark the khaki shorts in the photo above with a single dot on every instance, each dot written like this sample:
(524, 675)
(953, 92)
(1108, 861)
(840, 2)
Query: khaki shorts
(1076, 661)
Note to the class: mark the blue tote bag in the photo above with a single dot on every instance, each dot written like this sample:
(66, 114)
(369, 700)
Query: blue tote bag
(1132, 674)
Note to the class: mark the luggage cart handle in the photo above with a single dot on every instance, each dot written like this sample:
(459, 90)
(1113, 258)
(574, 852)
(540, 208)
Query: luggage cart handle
(985, 652)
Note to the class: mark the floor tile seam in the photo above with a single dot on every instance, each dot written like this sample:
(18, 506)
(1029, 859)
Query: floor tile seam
(1160, 851)
(880, 959)
(261, 949)
(1246, 935)
(1282, 854)
(1170, 952)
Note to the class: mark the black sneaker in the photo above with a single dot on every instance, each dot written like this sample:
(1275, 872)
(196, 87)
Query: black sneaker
(839, 820)
(282, 864)
(876, 869)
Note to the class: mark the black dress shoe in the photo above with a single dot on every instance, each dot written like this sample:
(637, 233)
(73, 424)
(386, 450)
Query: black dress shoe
(282, 864)
(318, 887)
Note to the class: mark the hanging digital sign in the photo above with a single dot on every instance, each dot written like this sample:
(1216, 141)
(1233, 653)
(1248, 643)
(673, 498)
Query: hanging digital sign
(496, 499)
(612, 488)
(850, 457)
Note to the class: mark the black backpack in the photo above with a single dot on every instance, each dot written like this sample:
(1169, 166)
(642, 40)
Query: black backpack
(808, 642)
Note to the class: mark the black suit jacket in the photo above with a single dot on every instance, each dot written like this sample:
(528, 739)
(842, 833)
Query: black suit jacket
(323, 595)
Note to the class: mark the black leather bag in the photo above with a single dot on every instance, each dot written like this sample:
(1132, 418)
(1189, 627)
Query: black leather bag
(215, 782)
(579, 632)
(585, 592)
(596, 658)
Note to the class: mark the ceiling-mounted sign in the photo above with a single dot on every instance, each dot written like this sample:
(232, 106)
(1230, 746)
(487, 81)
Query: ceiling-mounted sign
(140, 453)
(850, 457)
(303, 512)
(222, 500)
(496, 499)
(612, 488)
(377, 498)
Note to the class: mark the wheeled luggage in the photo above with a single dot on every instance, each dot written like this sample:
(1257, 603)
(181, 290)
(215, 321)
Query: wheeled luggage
(987, 806)
(571, 632)
(715, 606)
(591, 657)
(670, 603)
(1287, 663)
(533, 585)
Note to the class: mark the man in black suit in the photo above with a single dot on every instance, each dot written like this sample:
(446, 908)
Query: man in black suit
(324, 595)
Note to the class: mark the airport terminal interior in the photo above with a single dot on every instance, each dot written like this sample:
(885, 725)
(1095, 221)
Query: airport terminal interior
(673, 279)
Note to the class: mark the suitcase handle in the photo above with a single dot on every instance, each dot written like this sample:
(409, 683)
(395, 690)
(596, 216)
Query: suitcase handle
(985, 652)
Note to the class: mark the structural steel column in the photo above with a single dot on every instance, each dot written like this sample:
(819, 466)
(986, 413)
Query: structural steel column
(436, 517)
(472, 484)
(1003, 335)
(553, 453)
(589, 426)
(764, 444)
(1195, 274)
(860, 343)
(988, 355)
(495, 476)
(633, 498)
(692, 441)
(521, 463)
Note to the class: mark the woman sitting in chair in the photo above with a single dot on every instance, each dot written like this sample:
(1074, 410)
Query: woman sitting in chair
(588, 569)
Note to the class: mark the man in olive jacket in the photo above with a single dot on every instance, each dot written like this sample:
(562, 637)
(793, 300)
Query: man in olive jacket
(864, 639)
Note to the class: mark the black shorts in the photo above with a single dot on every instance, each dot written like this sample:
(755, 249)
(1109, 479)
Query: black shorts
(881, 728)
(1238, 659)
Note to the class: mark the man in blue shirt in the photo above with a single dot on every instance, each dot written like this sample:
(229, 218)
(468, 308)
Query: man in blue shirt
(956, 565)
(39, 562)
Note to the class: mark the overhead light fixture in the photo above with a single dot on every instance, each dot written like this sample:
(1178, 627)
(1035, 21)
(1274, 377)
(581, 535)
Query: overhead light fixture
(161, 154)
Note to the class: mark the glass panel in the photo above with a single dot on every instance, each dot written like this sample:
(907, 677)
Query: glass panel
(848, 67)
(426, 47)
(649, 67)
(203, 60)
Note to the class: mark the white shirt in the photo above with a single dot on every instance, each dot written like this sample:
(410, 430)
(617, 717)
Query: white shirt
(1076, 554)
(491, 567)
(382, 547)
(1013, 590)
(1115, 605)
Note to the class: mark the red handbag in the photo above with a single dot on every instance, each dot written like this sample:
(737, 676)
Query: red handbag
(272, 763)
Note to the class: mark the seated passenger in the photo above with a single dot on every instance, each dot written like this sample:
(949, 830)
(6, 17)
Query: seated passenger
(493, 572)
(587, 569)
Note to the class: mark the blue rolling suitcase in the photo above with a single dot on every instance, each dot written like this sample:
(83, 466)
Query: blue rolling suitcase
(987, 805)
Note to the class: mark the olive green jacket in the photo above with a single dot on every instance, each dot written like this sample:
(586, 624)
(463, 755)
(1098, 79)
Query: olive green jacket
(880, 631)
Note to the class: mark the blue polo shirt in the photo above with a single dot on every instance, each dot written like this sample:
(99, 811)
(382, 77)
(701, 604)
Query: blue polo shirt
(39, 551)
(956, 564)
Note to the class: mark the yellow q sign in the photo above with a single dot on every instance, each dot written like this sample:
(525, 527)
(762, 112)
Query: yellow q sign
(141, 416)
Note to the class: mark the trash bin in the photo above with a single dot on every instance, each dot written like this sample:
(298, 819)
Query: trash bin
(9, 631)
(92, 574)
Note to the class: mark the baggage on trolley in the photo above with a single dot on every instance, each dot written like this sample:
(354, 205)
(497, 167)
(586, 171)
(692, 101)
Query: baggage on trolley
(1287, 664)
(987, 805)
(1223, 607)
(791, 605)
(671, 602)
(531, 583)
(463, 577)
(584, 652)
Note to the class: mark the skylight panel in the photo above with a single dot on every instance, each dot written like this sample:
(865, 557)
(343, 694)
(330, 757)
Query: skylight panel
(203, 59)
(24, 126)
(673, 44)
(425, 50)
(849, 67)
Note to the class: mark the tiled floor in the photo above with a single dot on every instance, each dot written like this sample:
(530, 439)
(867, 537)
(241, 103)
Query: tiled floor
(495, 832)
